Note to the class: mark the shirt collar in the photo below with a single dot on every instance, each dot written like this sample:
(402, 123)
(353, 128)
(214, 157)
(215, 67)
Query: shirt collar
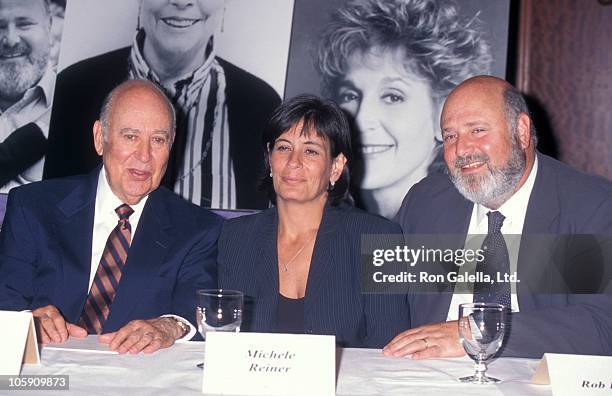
(516, 205)
(47, 84)
(107, 201)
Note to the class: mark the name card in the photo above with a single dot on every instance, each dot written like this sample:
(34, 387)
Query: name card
(17, 341)
(269, 364)
(575, 374)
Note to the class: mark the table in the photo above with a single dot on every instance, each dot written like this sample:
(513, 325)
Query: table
(360, 372)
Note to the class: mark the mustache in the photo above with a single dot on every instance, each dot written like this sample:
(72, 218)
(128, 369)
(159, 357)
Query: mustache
(462, 161)
(10, 51)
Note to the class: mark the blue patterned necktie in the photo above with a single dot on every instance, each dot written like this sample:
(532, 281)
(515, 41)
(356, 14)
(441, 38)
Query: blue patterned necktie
(496, 261)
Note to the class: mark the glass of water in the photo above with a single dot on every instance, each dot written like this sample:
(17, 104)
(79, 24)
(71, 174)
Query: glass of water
(219, 310)
(481, 330)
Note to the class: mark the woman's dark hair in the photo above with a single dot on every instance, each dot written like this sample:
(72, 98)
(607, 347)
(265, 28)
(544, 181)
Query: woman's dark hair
(326, 120)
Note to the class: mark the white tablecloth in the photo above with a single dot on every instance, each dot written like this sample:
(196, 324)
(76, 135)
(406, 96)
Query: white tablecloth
(361, 372)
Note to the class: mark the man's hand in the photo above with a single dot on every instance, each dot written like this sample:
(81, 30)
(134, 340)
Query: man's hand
(142, 335)
(51, 326)
(438, 340)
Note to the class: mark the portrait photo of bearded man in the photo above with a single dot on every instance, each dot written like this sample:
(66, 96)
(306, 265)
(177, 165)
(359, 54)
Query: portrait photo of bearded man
(29, 31)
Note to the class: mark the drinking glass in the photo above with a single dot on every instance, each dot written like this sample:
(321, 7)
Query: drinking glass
(219, 310)
(481, 330)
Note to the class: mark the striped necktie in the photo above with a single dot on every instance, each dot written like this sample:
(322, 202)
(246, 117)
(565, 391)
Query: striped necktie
(496, 261)
(108, 274)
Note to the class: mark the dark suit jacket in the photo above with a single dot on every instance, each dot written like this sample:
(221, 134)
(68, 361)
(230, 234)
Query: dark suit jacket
(45, 252)
(334, 304)
(81, 88)
(563, 201)
(22, 149)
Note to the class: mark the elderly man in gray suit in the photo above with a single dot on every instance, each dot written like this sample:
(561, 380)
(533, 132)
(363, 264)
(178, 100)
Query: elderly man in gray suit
(498, 183)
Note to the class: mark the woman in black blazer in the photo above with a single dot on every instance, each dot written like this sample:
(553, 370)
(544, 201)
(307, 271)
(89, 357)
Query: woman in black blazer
(298, 263)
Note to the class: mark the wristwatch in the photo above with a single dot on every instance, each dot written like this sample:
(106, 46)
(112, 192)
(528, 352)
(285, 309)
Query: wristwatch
(184, 329)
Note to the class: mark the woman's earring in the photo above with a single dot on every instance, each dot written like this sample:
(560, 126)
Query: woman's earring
(332, 184)
(270, 173)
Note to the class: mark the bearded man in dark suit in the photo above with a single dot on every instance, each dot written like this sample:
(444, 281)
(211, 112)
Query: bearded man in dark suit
(499, 184)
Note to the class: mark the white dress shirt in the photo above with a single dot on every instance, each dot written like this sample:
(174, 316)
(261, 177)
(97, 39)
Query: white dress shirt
(514, 210)
(105, 220)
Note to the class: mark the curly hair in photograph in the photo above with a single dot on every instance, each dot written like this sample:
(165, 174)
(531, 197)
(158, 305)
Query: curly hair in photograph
(438, 45)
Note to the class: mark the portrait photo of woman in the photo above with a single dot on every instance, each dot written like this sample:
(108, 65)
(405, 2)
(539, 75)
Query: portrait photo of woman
(390, 66)
(193, 49)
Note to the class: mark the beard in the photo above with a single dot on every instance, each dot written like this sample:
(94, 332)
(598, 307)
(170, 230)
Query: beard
(496, 185)
(23, 72)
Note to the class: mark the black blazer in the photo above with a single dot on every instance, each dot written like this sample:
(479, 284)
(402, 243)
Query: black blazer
(22, 149)
(563, 201)
(334, 304)
(81, 88)
(45, 252)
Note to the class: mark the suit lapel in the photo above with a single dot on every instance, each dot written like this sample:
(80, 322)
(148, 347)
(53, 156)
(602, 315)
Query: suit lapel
(537, 244)
(455, 222)
(147, 253)
(73, 232)
(321, 263)
(266, 272)
(543, 208)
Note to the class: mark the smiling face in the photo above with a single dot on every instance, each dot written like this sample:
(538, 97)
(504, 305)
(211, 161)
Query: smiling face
(394, 113)
(180, 27)
(24, 46)
(487, 161)
(302, 166)
(137, 146)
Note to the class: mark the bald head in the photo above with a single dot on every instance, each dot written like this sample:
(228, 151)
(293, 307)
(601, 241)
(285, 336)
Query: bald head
(499, 93)
(134, 137)
(488, 146)
(484, 82)
(491, 86)
(135, 87)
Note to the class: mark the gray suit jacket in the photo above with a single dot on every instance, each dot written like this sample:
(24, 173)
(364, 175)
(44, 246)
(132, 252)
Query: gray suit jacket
(563, 201)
